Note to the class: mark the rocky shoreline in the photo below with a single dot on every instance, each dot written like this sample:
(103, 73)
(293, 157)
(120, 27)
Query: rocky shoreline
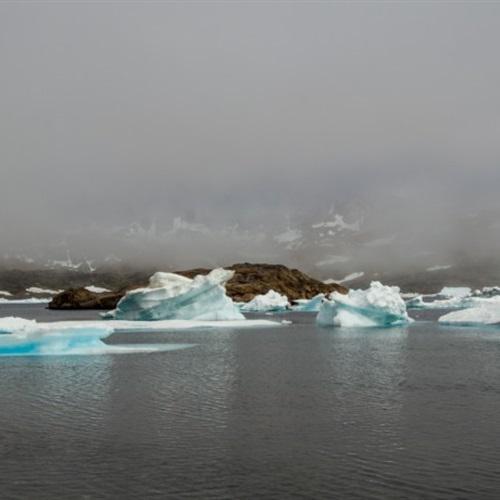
(248, 281)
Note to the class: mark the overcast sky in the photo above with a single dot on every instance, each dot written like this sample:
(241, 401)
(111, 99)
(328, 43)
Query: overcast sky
(115, 112)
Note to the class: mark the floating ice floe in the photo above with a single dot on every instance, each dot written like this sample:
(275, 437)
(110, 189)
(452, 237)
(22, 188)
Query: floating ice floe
(24, 337)
(309, 305)
(171, 296)
(54, 339)
(271, 301)
(481, 312)
(379, 305)
(15, 324)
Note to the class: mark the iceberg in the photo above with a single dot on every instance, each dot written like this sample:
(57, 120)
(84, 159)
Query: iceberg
(481, 312)
(309, 305)
(447, 298)
(170, 296)
(271, 301)
(378, 306)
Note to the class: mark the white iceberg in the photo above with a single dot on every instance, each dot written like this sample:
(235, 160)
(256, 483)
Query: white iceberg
(171, 296)
(379, 305)
(309, 305)
(271, 301)
(481, 312)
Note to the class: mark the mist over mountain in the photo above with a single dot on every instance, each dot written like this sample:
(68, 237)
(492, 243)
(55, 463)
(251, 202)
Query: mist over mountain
(340, 138)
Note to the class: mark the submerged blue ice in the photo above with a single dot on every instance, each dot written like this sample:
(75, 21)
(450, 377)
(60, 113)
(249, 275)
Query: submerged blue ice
(24, 338)
(171, 296)
(75, 340)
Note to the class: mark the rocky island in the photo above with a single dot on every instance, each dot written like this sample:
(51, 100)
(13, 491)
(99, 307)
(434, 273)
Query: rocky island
(248, 281)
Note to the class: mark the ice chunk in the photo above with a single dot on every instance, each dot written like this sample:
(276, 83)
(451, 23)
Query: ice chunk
(271, 301)
(379, 305)
(171, 296)
(483, 312)
(5, 294)
(309, 305)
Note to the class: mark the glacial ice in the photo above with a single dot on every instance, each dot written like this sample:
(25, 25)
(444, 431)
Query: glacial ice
(379, 305)
(171, 296)
(309, 305)
(485, 311)
(271, 301)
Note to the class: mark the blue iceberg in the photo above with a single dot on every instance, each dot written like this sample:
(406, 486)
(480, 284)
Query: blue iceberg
(379, 306)
(171, 296)
(309, 305)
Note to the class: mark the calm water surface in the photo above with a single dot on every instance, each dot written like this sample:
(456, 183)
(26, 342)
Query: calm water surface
(292, 412)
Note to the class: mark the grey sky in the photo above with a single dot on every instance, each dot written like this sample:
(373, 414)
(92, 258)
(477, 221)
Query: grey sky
(117, 112)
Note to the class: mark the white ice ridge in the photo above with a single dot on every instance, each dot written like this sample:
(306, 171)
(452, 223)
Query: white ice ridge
(171, 296)
(55, 339)
(379, 305)
(42, 291)
(482, 312)
(5, 294)
(271, 301)
(96, 289)
(31, 300)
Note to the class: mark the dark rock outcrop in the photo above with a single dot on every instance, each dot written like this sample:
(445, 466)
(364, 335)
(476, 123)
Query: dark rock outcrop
(81, 298)
(248, 281)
